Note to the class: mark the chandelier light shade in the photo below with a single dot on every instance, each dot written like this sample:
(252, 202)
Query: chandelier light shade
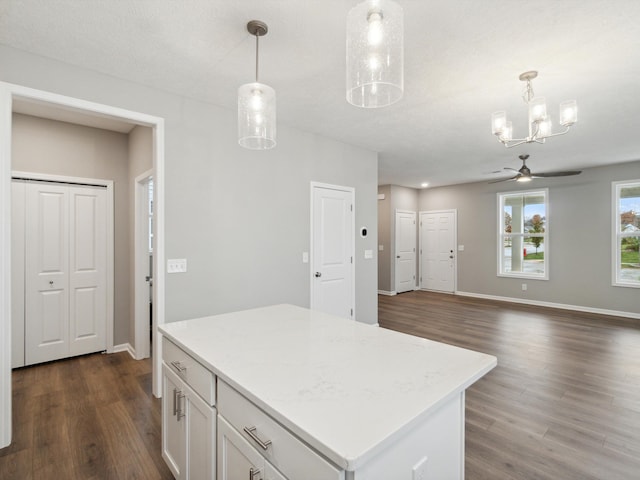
(256, 105)
(375, 54)
(540, 126)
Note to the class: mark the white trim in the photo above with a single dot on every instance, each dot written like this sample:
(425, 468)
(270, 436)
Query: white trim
(125, 347)
(615, 216)
(385, 292)
(7, 93)
(110, 228)
(141, 265)
(455, 244)
(562, 306)
(339, 188)
(415, 250)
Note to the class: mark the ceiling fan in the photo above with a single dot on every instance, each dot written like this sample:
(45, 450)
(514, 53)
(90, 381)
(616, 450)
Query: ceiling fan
(525, 175)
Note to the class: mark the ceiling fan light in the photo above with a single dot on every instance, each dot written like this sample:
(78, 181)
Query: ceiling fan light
(523, 178)
(568, 113)
(375, 54)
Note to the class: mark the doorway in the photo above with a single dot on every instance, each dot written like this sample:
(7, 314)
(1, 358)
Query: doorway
(143, 270)
(332, 250)
(438, 240)
(84, 113)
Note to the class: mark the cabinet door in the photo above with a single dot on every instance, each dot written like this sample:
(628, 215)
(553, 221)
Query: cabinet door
(200, 421)
(270, 473)
(237, 460)
(174, 439)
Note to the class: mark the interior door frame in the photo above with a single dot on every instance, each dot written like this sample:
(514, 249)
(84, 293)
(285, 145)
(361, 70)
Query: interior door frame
(97, 182)
(455, 244)
(141, 343)
(352, 192)
(8, 93)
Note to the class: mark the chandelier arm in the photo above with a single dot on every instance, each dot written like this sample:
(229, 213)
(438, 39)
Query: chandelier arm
(519, 142)
(559, 133)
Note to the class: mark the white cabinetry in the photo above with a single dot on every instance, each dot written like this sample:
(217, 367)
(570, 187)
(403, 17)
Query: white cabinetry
(237, 459)
(188, 420)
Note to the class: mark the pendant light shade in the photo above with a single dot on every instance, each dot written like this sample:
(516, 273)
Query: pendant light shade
(375, 54)
(256, 106)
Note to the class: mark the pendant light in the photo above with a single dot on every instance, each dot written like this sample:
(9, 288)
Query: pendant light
(256, 105)
(375, 54)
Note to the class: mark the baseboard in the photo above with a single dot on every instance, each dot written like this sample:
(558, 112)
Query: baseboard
(125, 347)
(562, 306)
(389, 294)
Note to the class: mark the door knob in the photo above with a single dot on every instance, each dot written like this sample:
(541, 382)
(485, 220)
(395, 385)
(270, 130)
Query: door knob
(318, 274)
(397, 256)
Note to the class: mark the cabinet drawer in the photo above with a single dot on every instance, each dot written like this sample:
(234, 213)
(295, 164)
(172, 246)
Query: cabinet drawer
(190, 370)
(280, 447)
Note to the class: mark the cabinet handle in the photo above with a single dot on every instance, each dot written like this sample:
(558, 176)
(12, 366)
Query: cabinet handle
(176, 364)
(251, 431)
(175, 401)
(180, 397)
(253, 472)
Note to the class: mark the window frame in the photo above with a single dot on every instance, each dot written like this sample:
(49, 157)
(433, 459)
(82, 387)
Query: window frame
(617, 234)
(502, 235)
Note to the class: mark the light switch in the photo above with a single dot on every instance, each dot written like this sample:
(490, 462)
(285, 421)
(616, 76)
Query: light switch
(177, 265)
(461, 248)
(380, 247)
(368, 254)
(305, 257)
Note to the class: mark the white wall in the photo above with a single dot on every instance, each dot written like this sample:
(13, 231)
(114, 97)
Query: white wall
(579, 239)
(241, 218)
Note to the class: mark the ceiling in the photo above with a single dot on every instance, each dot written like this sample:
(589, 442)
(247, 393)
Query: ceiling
(462, 62)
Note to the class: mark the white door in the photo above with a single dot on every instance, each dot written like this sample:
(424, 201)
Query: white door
(332, 251)
(437, 250)
(65, 271)
(405, 251)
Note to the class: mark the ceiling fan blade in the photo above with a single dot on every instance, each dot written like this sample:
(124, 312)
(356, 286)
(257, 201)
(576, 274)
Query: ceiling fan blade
(506, 179)
(511, 169)
(567, 173)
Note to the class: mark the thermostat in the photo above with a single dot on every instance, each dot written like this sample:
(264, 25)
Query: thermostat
(363, 232)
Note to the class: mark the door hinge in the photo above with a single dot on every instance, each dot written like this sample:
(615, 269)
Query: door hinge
(352, 207)
(351, 313)
(414, 277)
(351, 259)
(414, 249)
(420, 223)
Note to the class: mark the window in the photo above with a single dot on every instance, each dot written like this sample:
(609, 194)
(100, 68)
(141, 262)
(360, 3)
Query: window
(626, 233)
(523, 247)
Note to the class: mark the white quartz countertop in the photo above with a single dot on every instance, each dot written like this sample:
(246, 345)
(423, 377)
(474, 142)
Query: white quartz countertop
(346, 388)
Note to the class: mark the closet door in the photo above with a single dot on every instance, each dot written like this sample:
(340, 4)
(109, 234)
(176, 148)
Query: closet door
(46, 272)
(65, 271)
(87, 270)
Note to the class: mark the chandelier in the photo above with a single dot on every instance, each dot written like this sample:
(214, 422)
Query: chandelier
(540, 127)
(375, 54)
(256, 105)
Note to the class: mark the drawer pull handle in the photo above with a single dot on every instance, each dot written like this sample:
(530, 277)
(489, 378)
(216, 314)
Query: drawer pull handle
(180, 403)
(176, 364)
(175, 401)
(253, 472)
(251, 431)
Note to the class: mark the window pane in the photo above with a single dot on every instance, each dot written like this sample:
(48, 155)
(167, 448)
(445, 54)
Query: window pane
(629, 208)
(629, 267)
(508, 217)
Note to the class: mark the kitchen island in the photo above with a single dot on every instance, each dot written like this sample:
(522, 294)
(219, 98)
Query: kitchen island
(283, 392)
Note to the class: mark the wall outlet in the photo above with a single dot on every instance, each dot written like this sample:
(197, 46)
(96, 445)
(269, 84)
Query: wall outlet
(461, 248)
(524, 287)
(381, 247)
(177, 265)
(419, 471)
(368, 254)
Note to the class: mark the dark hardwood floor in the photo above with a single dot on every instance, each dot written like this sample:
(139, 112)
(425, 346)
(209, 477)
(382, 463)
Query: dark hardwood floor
(90, 417)
(562, 404)
(564, 400)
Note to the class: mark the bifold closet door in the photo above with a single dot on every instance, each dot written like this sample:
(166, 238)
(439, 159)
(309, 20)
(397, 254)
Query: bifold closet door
(65, 271)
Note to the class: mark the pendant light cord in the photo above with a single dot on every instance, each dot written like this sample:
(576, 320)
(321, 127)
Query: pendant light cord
(257, 47)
